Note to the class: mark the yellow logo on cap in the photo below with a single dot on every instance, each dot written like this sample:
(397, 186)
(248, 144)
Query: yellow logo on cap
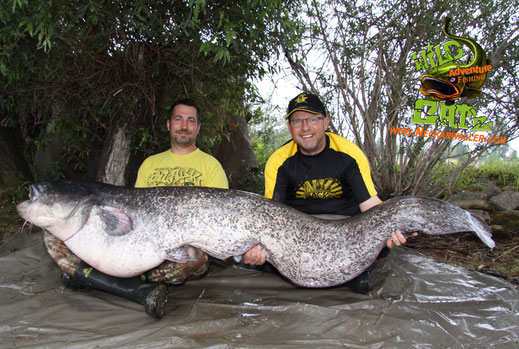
(301, 98)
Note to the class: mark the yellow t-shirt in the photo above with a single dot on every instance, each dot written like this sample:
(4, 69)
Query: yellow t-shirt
(194, 169)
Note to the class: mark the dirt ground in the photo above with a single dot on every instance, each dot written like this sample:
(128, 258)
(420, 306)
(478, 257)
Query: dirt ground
(468, 251)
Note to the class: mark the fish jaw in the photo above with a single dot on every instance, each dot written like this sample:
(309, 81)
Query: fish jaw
(35, 214)
(62, 218)
(43, 217)
(440, 89)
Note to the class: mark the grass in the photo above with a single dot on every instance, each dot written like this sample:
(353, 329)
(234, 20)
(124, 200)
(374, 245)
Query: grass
(505, 174)
(463, 250)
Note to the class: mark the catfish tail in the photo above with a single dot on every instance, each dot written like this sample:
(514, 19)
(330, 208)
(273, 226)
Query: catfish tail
(481, 229)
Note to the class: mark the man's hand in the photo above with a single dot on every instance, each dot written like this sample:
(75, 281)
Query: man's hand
(255, 256)
(397, 239)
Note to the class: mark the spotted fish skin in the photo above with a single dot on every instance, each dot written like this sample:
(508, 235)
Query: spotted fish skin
(126, 231)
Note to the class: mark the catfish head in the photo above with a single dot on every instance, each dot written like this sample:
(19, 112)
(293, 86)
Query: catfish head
(59, 207)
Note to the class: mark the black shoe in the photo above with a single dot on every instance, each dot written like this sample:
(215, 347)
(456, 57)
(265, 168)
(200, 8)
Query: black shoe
(361, 283)
(68, 282)
(153, 296)
(155, 300)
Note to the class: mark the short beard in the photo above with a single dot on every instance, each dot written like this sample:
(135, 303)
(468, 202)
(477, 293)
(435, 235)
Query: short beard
(182, 141)
(309, 150)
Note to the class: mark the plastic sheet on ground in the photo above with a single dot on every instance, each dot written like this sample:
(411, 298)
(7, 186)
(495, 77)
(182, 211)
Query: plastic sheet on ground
(415, 303)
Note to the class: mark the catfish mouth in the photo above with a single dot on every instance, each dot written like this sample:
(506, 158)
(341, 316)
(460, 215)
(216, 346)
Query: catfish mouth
(438, 88)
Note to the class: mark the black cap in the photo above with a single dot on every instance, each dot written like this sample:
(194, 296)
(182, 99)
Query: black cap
(306, 102)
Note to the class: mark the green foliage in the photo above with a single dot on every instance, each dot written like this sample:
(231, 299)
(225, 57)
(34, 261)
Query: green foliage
(500, 172)
(503, 173)
(12, 191)
(264, 146)
(78, 67)
(262, 153)
(264, 143)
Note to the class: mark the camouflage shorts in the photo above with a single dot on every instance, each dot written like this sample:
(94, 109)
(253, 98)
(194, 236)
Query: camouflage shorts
(176, 273)
(167, 272)
(64, 258)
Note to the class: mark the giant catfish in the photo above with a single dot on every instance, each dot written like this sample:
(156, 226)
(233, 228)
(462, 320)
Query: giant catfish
(126, 231)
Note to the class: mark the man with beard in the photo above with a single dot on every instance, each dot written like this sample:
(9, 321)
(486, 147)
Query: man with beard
(181, 165)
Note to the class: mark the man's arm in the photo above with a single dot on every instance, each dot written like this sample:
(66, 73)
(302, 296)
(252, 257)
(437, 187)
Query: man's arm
(369, 203)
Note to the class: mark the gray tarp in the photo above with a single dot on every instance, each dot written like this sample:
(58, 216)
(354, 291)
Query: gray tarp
(415, 303)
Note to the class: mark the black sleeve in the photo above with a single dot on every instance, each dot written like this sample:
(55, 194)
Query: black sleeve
(280, 188)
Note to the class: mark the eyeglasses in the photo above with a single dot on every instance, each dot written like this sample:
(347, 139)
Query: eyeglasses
(311, 121)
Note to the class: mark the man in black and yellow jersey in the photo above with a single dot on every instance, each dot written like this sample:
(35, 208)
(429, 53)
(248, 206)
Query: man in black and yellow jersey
(319, 173)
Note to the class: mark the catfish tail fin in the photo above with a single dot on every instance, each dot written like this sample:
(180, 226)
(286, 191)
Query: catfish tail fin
(481, 229)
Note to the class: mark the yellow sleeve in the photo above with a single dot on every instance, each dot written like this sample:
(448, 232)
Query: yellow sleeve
(218, 179)
(141, 176)
(274, 163)
(271, 172)
(365, 170)
(341, 144)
